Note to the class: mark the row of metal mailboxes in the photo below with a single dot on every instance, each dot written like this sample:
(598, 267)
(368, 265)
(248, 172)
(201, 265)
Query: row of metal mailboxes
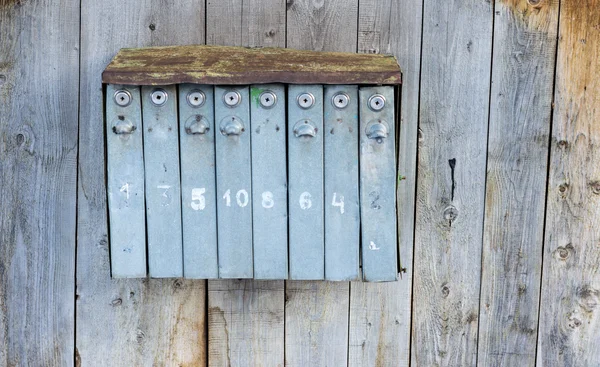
(264, 181)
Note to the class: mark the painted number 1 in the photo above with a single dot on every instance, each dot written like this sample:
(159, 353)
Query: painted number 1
(241, 197)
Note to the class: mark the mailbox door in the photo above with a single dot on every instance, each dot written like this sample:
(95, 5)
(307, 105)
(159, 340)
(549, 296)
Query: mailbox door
(269, 181)
(234, 186)
(305, 162)
(198, 186)
(125, 182)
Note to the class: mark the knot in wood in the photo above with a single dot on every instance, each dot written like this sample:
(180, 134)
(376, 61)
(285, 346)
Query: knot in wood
(595, 186)
(445, 291)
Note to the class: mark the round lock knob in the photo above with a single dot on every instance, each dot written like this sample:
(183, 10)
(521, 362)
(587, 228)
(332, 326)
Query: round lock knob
(231, 126)
(305, 128)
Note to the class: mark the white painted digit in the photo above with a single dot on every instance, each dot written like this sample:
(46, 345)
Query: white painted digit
(373, 246)
(267, 200)
(305, 202)
(165, 189)
(227, 197)
(198, 200)
(338, 203)
(125, 189)
(238, 197)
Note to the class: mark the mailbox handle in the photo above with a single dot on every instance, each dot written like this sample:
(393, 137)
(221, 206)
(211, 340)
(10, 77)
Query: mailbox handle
(198, 125)
(232, 126)
(305, 128)
(377, 130)
(123, 127)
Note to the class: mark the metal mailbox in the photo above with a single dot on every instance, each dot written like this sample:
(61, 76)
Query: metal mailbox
(227, 162)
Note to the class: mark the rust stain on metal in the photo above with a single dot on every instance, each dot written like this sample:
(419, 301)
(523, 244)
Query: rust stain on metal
(240, 65)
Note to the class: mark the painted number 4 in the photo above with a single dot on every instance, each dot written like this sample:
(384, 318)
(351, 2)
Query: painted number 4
(339, 203)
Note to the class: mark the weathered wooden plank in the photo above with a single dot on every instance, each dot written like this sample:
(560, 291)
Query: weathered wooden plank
(380, 314)
(163, 183)
(316, 323)
(198, 182)
(125, 183)
(569, 329)
(39, 65)
(455, 88)
(252, 299)
(234, 182)
(269, 181)
(246, 322)
(240, 66)
(305, 172)
(520, 109)
(342, 212)
(127, 322)
(378, 184)
(330, 26)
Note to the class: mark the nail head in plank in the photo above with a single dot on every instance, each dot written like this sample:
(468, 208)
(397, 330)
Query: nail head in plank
(163, 193)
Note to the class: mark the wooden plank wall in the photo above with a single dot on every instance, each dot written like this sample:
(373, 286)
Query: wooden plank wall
(498, 194)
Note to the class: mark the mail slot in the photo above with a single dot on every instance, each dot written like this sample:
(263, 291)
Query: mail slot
(227, 162)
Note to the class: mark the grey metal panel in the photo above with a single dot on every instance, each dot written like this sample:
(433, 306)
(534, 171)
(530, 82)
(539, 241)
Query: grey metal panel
(125, 180)
(269, 181)
(163, 194)
(198, 186)
(305, 164)
(378, 187)
(342, 211)
(234, 188)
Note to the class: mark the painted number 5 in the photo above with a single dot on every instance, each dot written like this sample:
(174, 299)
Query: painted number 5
(198, 201)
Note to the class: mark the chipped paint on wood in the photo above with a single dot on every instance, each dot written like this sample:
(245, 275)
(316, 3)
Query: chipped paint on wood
(243, 65)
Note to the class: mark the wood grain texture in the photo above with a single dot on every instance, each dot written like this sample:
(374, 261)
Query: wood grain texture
(319, 26)
(233, 302)
(316, 323)
(39, 65)
(569, 331)
(246, 322)
(128, 322)
(520, 110)
(380, 314)
(455, 86)
(242, 65)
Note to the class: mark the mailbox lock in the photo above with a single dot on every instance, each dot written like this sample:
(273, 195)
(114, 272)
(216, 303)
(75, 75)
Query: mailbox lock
(340, 100)
(159, 97)
(231, 125)
(232, 98)
(196, 98)
(306, 100)
(123, 98)
(197, 124)
(376, 102)
(378, 130)
(305, 128)
(268, 99)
